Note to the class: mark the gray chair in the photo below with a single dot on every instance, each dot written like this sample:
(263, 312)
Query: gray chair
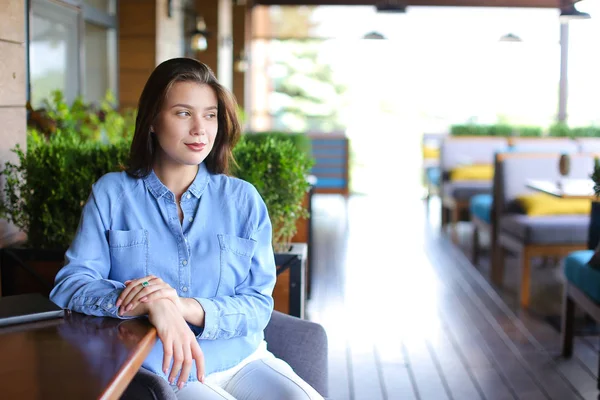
(541, 236)
(481, 205)
(560, 145)
(301, 343)
(588, 144)
(463, 150)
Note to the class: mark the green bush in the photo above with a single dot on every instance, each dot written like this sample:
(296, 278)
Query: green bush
(586, 131)
(46, 190)
(83, 121)
(528, 131)
(300, 140)
(469, 130)
(278, 170)
(560, 129)
(500, 130)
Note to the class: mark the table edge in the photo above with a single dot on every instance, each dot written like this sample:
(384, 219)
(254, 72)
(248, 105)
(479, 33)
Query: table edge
(130, 367)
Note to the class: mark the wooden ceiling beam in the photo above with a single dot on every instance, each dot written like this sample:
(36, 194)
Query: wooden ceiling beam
(448, 3)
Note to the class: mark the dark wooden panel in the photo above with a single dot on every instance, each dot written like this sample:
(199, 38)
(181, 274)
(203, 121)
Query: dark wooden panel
(429, 382)
(365, 375)
(559, 379)
(397, 378)
(131, 85)
(137, 48)
(281, 292)
(137, 17)
(137, 53)
(453, 365)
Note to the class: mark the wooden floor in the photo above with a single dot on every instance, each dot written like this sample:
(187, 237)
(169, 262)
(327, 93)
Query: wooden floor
(408, 317)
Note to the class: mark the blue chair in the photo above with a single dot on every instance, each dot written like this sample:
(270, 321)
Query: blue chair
(480, 208)
(582, 285)
(433, 177)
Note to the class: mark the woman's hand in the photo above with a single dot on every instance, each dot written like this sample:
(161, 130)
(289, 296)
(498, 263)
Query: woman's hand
(179, 342)
(146, 290)
(136, 297)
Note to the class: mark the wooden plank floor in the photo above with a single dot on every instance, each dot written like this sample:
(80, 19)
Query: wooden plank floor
(408, 317)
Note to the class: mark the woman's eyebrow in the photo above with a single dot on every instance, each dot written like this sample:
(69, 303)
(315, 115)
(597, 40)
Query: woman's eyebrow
(191, 107)
(181, 105)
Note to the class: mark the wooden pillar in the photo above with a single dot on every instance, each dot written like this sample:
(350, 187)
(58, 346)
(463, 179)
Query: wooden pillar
(169, 30)
(225, 43)
(241, 42)
(137, 48)
(147, 37)
(13, 117)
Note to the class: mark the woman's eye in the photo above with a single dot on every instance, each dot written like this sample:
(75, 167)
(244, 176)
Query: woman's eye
(211, 116)
(183, 113)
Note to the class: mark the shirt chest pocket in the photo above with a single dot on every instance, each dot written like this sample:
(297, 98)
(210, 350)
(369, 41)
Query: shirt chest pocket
(128, 254)
(236, 256)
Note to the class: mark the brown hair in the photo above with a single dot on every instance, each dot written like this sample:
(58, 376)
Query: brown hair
(144, 144)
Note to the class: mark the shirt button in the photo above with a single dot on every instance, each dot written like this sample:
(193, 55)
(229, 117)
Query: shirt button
(184, 262)
(109, 305)
(190, 219)
(189, 196)
(184, 288)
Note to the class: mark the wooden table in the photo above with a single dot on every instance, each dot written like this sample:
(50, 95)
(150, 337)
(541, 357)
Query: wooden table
(78, 357)
(570, 188)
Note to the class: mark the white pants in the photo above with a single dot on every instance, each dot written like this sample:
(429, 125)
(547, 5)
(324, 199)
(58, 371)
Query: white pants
(261, 376)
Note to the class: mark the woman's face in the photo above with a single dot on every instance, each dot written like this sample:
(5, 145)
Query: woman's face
(187, 125)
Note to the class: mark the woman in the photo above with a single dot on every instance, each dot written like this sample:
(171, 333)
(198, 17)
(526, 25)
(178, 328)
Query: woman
(177, 239)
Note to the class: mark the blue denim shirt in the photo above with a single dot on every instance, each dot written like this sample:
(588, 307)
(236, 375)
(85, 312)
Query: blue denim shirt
(221, 255)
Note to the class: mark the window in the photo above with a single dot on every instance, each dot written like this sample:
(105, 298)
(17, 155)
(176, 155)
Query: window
(100, 64)
(72, 48)
(53, 51)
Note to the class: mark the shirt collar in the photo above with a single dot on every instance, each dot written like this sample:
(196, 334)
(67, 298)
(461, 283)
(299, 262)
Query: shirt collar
(158, 189)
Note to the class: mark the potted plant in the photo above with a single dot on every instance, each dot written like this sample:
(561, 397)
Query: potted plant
(278, 165)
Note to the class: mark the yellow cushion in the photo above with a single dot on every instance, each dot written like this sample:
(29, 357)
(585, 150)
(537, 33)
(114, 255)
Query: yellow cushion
(477, 172)
(544, 204)
(431, 152)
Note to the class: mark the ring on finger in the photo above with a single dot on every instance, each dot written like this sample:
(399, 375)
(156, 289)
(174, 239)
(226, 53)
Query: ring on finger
(145, 284)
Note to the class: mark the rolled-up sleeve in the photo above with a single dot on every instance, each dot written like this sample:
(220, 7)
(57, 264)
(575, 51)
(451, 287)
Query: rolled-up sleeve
(82, 285)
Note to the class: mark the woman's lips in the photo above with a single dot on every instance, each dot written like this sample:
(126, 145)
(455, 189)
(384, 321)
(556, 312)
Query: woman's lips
(195, 146)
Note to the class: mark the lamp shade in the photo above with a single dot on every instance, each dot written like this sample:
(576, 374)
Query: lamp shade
(198, 40)
(510, 37)
(570, 13)
(373, 35)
